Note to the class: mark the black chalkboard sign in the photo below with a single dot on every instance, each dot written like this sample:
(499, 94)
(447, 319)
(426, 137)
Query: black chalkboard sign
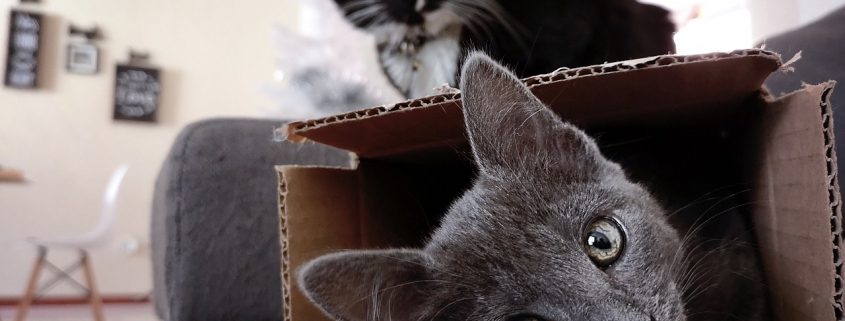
(24, 46)
(136, 93)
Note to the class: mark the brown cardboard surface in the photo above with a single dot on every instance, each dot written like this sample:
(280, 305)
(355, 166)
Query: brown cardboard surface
(413, 163)
(797, 214)
(398, 202)
(319, 212)
(373, 206)
(654, 90)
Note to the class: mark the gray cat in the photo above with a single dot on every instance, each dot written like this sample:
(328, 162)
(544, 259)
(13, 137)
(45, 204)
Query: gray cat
(551, 230)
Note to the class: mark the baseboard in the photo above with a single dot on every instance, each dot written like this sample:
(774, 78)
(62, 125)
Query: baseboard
(70, 300)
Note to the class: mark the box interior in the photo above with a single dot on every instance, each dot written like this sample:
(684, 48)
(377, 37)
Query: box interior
(672, 122)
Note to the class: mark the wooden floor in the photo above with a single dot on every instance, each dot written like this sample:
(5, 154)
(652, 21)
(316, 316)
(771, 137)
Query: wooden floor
(112, 312)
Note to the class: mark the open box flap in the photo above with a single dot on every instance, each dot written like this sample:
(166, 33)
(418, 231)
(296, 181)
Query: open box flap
(324, 209)
(797, 213)
(319, 214)
(595, 96)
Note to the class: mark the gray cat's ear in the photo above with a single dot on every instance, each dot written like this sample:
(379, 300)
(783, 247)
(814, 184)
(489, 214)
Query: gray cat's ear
(510, 130)
(366, 285)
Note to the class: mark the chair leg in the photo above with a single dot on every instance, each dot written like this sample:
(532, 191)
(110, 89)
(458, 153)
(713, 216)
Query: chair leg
(94, 294)
(32, 285)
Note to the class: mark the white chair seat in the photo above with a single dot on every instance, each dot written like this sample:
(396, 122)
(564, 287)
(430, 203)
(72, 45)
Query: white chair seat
(98, 236)
(86, 241)
(101, 233)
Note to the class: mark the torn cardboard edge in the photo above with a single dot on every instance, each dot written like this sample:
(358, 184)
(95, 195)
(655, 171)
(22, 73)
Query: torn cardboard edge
(292, 131)
(787, 66)
(410, 132)
(834, 195)
(284, 225)
(283, 242)
(797, 205)
(330, 196)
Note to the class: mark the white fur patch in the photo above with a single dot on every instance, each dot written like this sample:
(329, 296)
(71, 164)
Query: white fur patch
(438, 20)
(436, 64)
(417, 72)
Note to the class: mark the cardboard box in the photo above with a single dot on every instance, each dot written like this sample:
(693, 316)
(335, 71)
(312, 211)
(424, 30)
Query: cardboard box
(413, 160)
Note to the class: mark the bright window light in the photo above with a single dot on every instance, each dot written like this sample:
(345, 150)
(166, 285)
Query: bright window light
(709, 25)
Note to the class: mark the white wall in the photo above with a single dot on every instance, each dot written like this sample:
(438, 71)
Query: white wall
(215, 54)
(770, 17)
(724, 25)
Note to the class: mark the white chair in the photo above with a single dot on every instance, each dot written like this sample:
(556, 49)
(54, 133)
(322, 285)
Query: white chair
(98, 236)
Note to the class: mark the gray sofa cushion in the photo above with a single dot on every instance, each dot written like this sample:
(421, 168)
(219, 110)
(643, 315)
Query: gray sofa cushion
(215, 225)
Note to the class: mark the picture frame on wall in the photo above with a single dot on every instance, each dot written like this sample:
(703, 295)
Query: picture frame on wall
(23, 49)
(82, 58)
(137, 91)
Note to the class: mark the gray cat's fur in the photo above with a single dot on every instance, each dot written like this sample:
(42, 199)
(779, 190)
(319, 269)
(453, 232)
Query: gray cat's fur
(512, 244)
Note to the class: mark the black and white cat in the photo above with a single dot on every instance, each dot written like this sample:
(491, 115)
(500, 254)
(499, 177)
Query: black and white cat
(421, 43)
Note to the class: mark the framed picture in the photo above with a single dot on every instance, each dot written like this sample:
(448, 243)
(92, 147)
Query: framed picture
(136, 93)
(23, 48)
(82, 58)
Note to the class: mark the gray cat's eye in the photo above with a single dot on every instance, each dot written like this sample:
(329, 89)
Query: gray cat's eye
(604, 240)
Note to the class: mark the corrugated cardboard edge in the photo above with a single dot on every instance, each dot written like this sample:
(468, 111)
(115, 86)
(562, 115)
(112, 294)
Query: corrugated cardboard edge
(796, 207)
(289, 178)
(834, 195)
(283, 241)
(293, 129)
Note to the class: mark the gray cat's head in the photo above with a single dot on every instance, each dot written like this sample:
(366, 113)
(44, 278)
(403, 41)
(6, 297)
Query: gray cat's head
(551, 230)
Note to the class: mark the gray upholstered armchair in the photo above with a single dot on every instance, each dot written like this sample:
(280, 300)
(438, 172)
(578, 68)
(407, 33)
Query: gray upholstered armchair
(215, 237)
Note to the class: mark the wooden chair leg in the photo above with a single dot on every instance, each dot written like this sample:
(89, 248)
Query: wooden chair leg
(32, 285)
(94, 294)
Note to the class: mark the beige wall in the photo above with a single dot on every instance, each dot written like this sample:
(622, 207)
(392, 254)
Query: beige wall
(215, 55)
(770, 17)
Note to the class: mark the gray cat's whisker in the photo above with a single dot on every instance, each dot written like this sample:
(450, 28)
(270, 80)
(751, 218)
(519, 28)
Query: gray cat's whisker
(723, 212)
(703, 290)
(688, 268)
(376, 292)
(446, 306)
(703, 198)
(725, 199)
(693, 276)
(421, 265)
(694, 268)
(697, 226)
